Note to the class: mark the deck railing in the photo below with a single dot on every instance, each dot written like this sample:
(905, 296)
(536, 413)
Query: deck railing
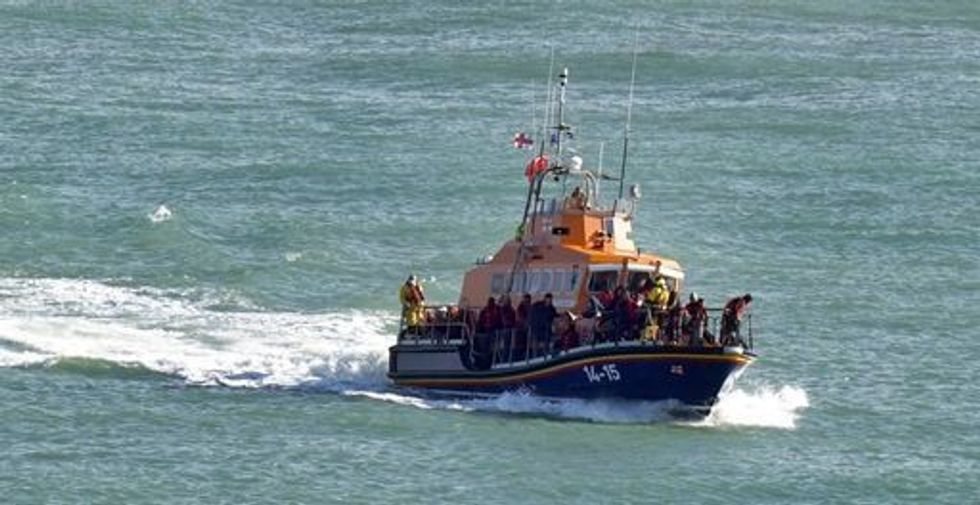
(449, 325)
(440, 324)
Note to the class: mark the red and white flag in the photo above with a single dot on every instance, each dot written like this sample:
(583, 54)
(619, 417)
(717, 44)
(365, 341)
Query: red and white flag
(522, 141)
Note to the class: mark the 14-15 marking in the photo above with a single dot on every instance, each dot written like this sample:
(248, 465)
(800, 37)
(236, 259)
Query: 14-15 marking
(604, 373)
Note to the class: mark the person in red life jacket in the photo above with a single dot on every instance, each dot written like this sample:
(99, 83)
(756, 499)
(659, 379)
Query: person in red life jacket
(487, 324)
(607, 299)
(489, 319)
(696, 317)
(567, 337)
(624, 314)
(731, 319)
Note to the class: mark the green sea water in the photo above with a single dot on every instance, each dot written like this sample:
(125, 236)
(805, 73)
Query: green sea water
(207, 208)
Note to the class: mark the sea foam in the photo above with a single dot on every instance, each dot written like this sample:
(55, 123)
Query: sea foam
(765, 406)
(161, 214)
(177, 333)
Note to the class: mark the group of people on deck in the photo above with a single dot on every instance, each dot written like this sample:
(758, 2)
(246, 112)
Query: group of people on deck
(655, 313)
(651, 313)
(531, 323)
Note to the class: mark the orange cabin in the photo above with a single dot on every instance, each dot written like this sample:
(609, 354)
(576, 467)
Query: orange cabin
(570, 249)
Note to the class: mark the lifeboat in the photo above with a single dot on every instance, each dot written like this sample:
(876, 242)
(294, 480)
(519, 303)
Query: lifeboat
(564, 309)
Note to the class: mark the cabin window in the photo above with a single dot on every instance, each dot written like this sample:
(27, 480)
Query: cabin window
(600, 281)
(497, 283)
(520, 283)
(544, 281)
(573, 280)
(637, 279)
(532, 282)
(558, 282)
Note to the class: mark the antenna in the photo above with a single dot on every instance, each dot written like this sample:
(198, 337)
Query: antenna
(562, 83)
(547, 105)
(598, 179)
(629, 113)
(534, 123)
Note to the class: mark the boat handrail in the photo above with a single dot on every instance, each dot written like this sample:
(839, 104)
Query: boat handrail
(440, 323)
(454, 324)
(520, 346)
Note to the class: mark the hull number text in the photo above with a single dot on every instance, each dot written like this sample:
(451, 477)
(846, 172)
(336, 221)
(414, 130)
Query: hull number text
(604, 373)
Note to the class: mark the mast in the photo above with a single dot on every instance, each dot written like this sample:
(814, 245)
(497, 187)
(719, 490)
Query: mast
(547, 104)
(560, 129)
(534, 188)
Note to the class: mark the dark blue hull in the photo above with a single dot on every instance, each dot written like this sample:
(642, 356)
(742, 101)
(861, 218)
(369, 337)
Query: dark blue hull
(692, 376)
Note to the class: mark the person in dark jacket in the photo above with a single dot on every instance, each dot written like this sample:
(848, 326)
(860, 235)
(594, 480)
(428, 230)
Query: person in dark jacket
(522, 323)
(542, 318)
(672, 324)
(508, 322)
(695, 319)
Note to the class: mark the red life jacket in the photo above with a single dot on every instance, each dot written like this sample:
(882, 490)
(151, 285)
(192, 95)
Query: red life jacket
(735, 307)
(489, 318)
(695, 310)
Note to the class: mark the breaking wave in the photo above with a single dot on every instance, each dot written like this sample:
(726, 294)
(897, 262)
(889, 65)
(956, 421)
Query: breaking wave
(763, 406)
(216, 339)
(48, 321)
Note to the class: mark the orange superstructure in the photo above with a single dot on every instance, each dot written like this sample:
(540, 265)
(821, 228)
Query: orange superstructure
(570, 246)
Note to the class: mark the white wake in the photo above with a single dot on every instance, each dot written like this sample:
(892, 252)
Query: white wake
(179, 333)
(763, 407)
(206, 338)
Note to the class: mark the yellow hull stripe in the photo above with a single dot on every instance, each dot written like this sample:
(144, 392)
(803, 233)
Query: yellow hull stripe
(733, 359)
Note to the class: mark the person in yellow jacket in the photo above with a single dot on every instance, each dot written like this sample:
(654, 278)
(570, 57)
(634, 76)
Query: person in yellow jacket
(657, 298)
(412, 298)
(659, 295)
